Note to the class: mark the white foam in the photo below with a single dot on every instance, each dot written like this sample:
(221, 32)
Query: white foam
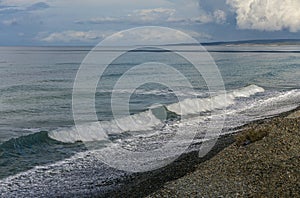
(147, 121)
(278, 103)
(195, 106)
(98, 131)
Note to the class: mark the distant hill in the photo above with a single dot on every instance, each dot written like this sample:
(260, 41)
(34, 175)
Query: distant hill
(257, 42)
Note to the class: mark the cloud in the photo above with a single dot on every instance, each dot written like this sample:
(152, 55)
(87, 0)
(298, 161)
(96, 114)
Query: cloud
(9, 9)
(100, 20)
(203, 18)
(198, 35)
(10, 22)
(20, 3)
(154, 36)
(158, 16)
(153, 16)
(13, 8)
(38, 6)
(267, 15)
(70, 36)
(138, 36)
(220, 16)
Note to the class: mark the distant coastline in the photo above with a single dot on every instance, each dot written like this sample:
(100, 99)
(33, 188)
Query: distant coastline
(255, 42)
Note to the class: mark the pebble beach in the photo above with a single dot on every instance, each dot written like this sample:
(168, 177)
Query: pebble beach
(266, 167)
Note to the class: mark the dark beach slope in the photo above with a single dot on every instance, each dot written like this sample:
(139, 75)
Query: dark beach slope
(263, 162)
(268, 166)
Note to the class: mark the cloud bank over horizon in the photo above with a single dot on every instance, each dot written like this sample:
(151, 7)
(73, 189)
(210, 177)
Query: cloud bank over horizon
(52, 22)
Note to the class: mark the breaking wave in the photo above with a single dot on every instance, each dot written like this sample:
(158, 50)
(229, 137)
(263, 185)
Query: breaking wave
(150, 119)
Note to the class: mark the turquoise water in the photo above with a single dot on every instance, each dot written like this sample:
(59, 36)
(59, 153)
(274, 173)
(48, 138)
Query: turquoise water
(36, 121)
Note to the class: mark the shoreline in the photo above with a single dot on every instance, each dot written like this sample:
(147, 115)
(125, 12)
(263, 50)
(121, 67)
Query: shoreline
(266, 167)
(177, 178)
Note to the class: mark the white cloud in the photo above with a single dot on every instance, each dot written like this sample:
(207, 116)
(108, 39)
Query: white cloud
(151, 15)
(159, 16)
(13, 7)
(69, 36)
(154, 36)
(220, 16)
(21, 3)
(268, 15)
(155, 15)
(138, 36)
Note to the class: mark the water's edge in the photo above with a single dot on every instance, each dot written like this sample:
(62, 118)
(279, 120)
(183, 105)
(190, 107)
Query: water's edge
(143, 184)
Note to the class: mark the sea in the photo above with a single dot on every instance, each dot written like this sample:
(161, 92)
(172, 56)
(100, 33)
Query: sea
(43, 154)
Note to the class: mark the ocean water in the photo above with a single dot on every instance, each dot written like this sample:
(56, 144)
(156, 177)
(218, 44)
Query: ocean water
(41, 151)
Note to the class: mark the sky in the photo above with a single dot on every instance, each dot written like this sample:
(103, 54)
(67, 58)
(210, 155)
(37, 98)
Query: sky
(77, 22)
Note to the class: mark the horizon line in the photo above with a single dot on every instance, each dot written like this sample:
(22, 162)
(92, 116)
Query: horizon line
(233, 42)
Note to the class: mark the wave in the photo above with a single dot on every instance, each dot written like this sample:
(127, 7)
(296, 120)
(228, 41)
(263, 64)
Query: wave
(97, 131)
(32, 143)
(195, 106)
(157, 92)
(25, 152)
(150, 119)
(27, 141)
(152, 126)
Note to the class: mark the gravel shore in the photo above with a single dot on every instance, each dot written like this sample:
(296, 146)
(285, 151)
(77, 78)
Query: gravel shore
(253, 166)
(264, 166)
